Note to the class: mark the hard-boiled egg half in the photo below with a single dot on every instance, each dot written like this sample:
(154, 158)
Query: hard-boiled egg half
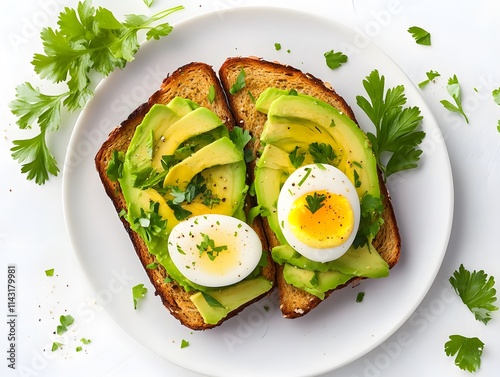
(214, 250)
(319, 212)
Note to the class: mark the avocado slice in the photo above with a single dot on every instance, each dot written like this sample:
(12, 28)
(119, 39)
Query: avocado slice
(314, 282)
(229, 298)
(196, 122)
(220, 152)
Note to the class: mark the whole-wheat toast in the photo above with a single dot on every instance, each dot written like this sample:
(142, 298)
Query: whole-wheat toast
(261, 74)
(193, 82)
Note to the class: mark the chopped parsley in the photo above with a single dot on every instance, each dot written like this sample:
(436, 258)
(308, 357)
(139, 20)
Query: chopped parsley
(65, 321)
(322, 153)
(467, 352)
(315, 202)
(431, 75)
(477, 291)
(138, 292)
(277, 46)
(240, 82)
(49, 272)
(184, 343)
(421, 36)
(296, 158)
(454, 90)
(334, 59)
(360, 296)
(208, 246)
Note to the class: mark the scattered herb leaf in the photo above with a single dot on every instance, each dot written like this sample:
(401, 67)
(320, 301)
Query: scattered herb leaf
(360, 296)
(420, 35)
(138, 292)
(49, 272)
(65, 321)
(296, 158)
(477, 291)
(56, 346)
(277, 46)
(184, 343)
(208, 246)
(431, 75)
(212, 301)
(240, 82)
(467, 352)
(454, 90)
(334, 59)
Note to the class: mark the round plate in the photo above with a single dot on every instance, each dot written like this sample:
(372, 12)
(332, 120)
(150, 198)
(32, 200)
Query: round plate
(259, 341)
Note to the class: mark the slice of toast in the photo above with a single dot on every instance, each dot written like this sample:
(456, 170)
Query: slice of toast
(192, 81)
(261, 74)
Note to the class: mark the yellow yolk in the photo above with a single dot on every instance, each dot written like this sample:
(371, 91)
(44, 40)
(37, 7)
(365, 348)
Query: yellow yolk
(328, 226)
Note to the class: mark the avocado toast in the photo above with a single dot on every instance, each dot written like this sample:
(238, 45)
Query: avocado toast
(189, 121)
(280, 136)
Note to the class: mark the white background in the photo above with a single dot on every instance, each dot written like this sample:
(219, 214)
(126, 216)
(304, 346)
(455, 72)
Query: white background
(33, 235)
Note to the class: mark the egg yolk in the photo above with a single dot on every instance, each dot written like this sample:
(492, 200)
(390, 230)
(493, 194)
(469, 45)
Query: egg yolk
(321, 219)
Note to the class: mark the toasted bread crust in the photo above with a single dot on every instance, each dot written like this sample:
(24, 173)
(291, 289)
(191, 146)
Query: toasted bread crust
(191, 81)
(261, 74)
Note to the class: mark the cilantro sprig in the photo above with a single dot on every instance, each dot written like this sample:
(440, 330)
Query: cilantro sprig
(87, 40)
(396, 125)
(477, 291)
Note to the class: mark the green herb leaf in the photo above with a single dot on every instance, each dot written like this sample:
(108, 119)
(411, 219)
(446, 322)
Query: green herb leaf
(360, 296)
(335, 59)
(150, 224)
(477, 291)
(87, 40)
(296, 158)
(240, 82)
(65, 321)
(322, 153)
(115, 166)
(184, 343)
(138, 292)
(371, 220)
(56, 346)
(49, 272)
(420, 35)
(85, 341)
(454, 90)
(212, 301)
(396, 125)
(431, 75)
(277, 46)
(211, 94)
(467, 352)
(148, 2)
(208, 246)
(496, 95)
(315, 202)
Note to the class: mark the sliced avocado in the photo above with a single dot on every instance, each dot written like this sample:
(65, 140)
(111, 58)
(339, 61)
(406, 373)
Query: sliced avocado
(182, 106)
(313, 282)
(146, 136)
(358, 161)
(230, 298)
(194, 123)
(359, 261)
(220, 152)
(226, 184)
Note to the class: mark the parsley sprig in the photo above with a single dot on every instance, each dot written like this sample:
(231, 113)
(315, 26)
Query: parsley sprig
(87, 40)
(315, 202)
(455, 92)
(477, 291)
(467, 352)
(396, 125)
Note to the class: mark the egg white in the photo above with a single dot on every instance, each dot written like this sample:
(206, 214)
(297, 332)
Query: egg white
(244, 249)
(308, 179)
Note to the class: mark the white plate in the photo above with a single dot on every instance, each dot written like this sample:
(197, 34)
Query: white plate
(259, 341)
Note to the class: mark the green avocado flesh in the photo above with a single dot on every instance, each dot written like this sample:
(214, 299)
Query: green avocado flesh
(182, 150)
(294, 122)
